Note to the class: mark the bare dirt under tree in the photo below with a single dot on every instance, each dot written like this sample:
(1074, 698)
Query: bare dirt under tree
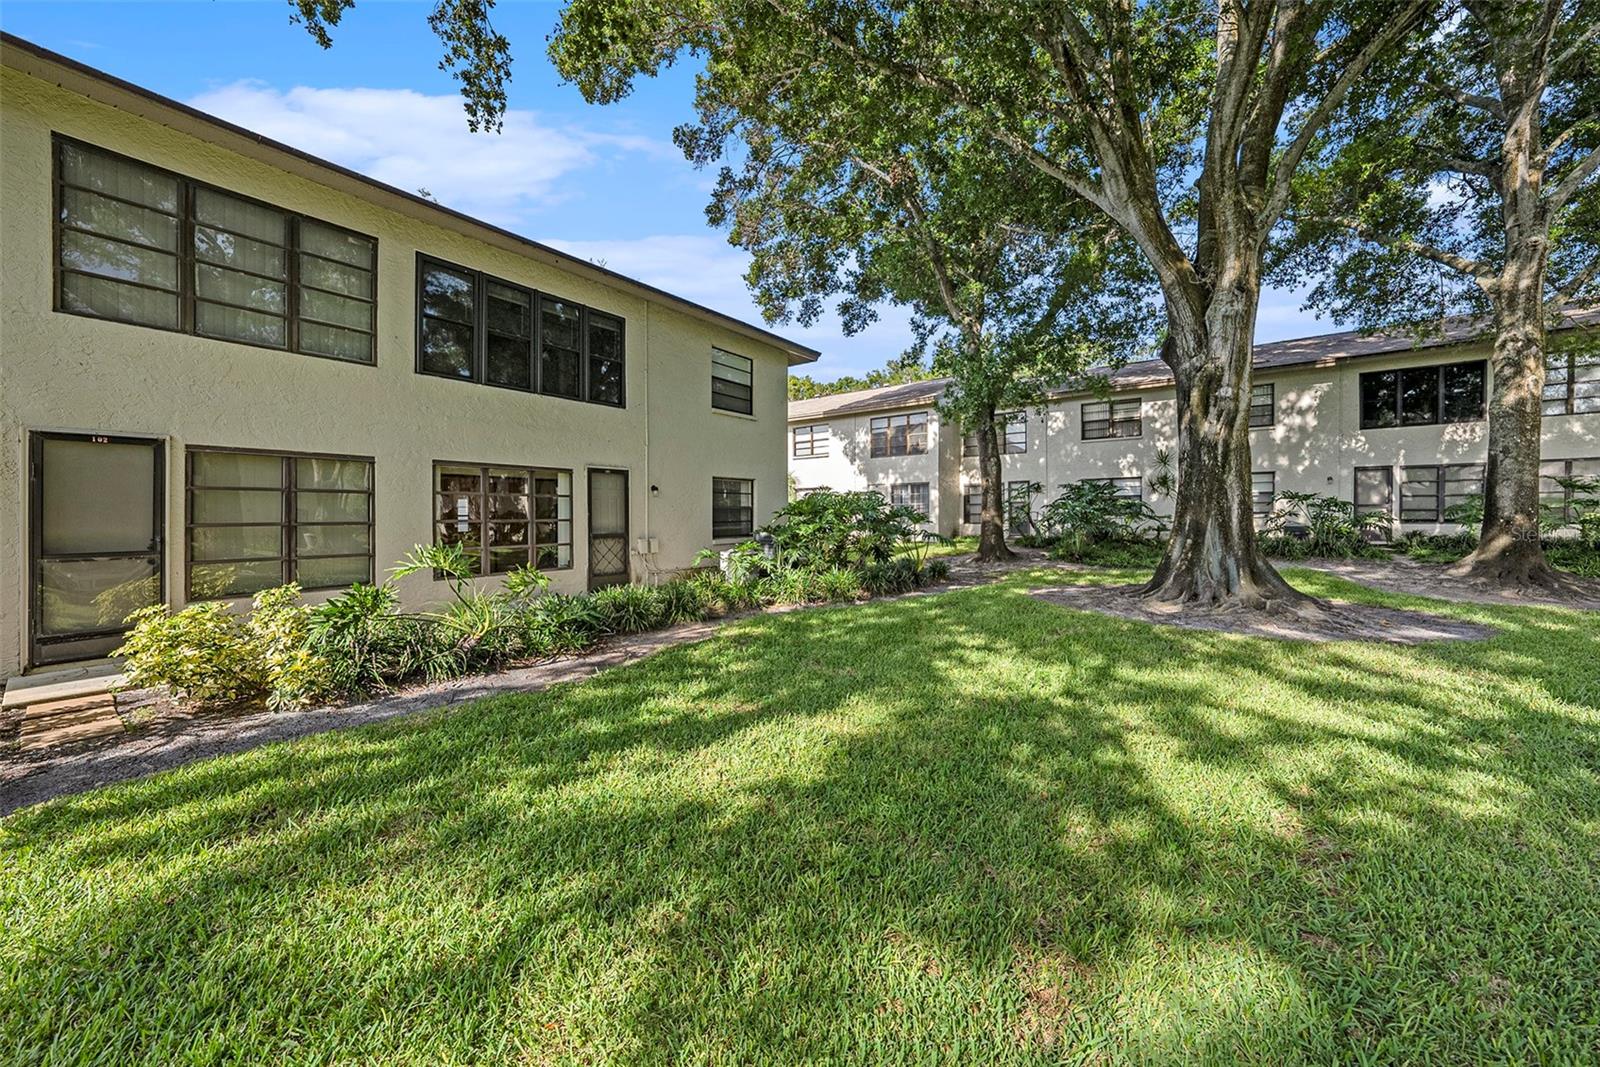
(1316, 621)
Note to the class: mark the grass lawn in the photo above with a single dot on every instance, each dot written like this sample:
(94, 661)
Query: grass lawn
(969, 828)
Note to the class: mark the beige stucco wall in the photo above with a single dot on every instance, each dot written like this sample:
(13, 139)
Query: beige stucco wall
(1314, 445)
(66, 372)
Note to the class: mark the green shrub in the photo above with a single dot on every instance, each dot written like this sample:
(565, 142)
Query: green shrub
(935, 570)
(205, 654)
(1087, 513)
(838, 583)
(557, 624)
(890, 578)
(628, 609)
(826, 529)
(684, 600)
(361, 640)
(1119, 553)
(1305, 525)
(296, 673)
(788, 586)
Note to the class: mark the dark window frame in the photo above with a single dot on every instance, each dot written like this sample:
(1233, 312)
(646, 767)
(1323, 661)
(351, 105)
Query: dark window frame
(1441, 499)
(908, 490)
(887, 430)
(723, 402)
(1106, 426)
(1013, 433)
(1263, 414)
(746, 524)
(972, 505)
(1018, 519)
(481, 280)
(288, 523)
(1565, 472)
(485, 563)
(814, 449)
(1121, 482)
(1398, 374)
(186, 292)
(1261, 506)
(1569, 400)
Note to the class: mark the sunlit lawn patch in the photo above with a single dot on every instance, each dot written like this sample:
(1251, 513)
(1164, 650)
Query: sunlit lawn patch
(974, 827)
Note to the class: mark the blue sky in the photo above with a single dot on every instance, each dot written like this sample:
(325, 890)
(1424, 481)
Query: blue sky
(602, 182)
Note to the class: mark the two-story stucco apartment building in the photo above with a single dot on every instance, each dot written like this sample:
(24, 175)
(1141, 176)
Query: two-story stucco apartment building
(1393, 425)
(225, 364)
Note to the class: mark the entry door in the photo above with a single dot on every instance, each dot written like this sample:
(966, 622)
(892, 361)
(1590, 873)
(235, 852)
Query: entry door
(94, 541)
(608, 528)
(1375, 494)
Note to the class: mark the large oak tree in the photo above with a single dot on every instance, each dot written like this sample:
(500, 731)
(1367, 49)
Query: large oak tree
(1181, 122)
(1465, 180)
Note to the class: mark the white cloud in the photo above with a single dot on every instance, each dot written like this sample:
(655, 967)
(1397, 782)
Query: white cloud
(412, 140)
(706, 269)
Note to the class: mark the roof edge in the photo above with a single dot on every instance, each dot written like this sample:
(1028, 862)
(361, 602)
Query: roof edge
(11, 44)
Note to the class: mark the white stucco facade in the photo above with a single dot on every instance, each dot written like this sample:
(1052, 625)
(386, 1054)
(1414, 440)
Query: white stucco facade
(1315, 442)
(79, 375)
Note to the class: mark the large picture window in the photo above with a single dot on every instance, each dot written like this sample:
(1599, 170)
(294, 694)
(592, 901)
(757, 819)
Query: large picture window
(810, 442)
(1103, 420)
(479, 328)
(899, 435)
(260, 519)
(504, 517)
(141, 245)
(1422, 396)
(1427, 493)
(1572, 383)
(733, 507)
(732, 382)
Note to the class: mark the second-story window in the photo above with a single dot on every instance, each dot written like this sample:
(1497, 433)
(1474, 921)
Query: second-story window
(480, 328)
(1014, 439)
(1422, 396)
(899, 435)
(141, 245)
(1108, 419)
(810, 442)
(732, 383)
(1572, 383)
(1263, 405)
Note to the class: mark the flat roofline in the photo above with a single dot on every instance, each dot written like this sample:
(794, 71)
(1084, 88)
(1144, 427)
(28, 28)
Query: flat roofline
(38, 60)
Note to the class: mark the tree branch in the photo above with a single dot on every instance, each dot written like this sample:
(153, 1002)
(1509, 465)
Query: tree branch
(1575, 286)
(1481, 271)
(1574, 179)
(1400, 25)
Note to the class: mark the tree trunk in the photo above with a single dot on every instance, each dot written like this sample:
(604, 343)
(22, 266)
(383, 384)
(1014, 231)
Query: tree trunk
(992, 547)
(1211, 557)
(1509, 554)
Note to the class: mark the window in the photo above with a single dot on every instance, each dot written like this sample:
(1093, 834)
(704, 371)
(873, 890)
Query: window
(1552, 493)
(733, 507)
(732, 379)
(1133, 487)
(1427, 493)
(260, 519)
(910, 495)
(1421, 396)
(810, 442)
(1263, 490)
(1263, 405)
(478, 328)
(141, 245)
(1572, 383)
(899, 435)
(1019, 507)
(1015, 440)
(969, 445)
(972, 505)
(504, 517)
(1109, 419)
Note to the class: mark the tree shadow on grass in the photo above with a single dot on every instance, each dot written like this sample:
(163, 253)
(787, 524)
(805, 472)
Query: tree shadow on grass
(974, 826)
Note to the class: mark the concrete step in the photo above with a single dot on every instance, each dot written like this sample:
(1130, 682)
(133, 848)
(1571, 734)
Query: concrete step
(52, 686)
